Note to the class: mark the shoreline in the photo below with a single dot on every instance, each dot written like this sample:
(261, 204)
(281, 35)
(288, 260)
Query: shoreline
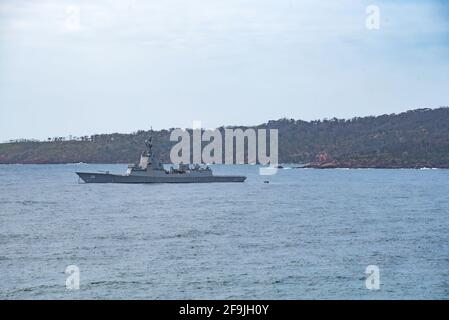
(324, 166)
(319, 166)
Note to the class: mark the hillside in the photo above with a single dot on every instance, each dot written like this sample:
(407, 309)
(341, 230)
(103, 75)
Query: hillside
(416, 138)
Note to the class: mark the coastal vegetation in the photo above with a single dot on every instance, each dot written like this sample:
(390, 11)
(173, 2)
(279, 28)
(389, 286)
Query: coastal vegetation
(413, 139)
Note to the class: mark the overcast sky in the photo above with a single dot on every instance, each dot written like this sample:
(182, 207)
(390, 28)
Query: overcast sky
(128, 65)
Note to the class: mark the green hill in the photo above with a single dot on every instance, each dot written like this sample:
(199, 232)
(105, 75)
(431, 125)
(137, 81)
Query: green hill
(416, 138)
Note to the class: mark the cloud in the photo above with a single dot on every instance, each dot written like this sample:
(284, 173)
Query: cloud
(213, 60)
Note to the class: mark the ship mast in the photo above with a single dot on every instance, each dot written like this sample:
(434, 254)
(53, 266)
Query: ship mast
(149, 144)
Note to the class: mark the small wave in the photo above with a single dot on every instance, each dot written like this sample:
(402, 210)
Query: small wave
(117, 283)
(33, 202)
(190, 234)
(36, 288)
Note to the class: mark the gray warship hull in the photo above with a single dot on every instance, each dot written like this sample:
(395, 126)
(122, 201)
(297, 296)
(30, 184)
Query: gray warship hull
(151, 170)
(169, 178)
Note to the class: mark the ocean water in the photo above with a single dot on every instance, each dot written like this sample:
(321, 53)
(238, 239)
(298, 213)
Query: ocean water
(308, 234)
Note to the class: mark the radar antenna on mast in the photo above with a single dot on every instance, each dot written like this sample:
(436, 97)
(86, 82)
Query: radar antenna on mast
(149, 143)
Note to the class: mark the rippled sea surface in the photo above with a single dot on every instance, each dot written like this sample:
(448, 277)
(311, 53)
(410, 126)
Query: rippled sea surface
(308, 234)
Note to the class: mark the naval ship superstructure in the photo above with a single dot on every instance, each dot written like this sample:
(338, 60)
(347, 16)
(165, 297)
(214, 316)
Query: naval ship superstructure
(151, 170)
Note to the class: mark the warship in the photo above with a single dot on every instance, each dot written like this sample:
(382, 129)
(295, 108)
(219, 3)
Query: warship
(151, 170)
